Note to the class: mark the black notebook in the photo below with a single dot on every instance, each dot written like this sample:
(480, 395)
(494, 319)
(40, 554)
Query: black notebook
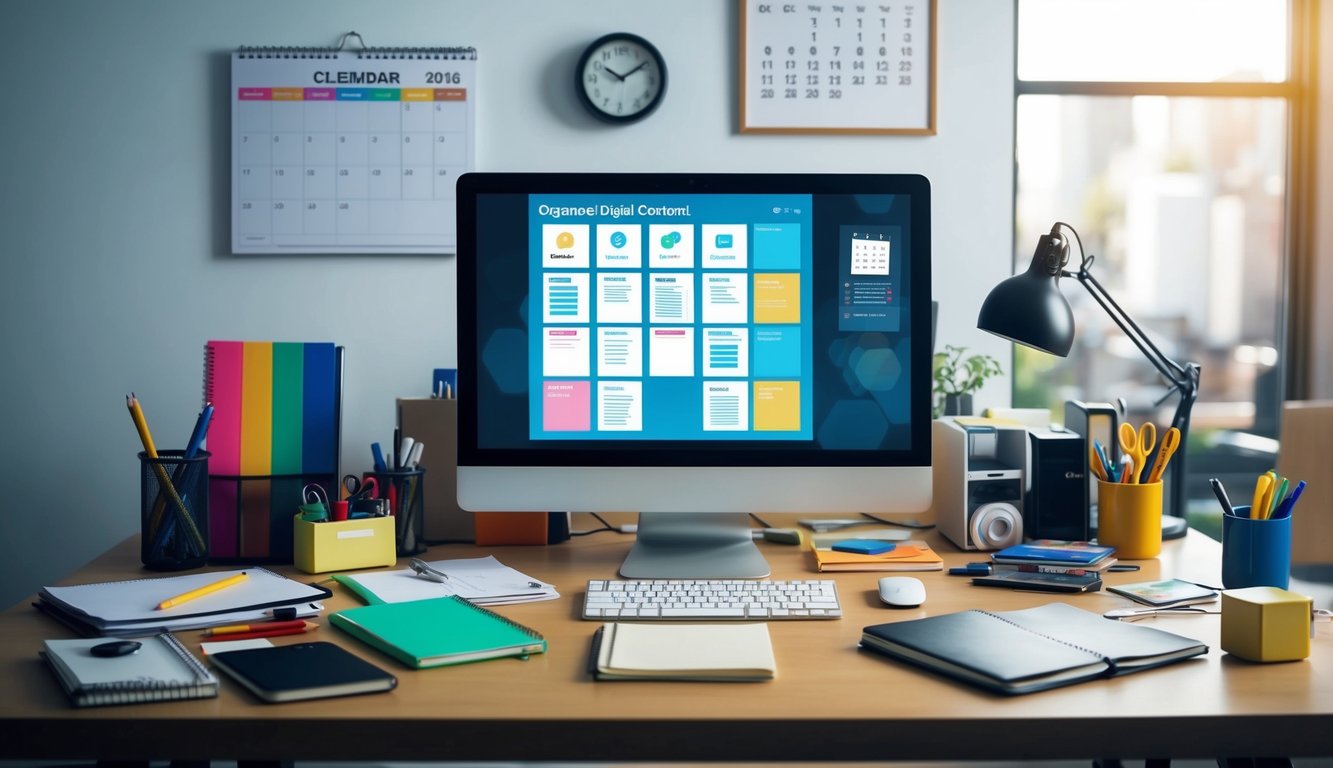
(303, 671)
(1029, 650)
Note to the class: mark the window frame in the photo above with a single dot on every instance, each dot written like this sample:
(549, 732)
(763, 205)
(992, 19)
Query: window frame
(1297, 253)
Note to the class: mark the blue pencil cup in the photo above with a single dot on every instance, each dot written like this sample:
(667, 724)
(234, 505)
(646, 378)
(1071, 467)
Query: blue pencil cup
(1255, 553)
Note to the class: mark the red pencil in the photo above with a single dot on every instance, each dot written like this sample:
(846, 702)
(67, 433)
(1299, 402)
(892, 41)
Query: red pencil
(307, 626)
(258, 626)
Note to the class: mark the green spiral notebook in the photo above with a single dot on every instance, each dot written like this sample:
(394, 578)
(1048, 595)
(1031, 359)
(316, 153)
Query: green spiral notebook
(438, 631)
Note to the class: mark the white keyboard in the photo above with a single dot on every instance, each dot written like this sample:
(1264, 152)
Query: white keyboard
(711, 600)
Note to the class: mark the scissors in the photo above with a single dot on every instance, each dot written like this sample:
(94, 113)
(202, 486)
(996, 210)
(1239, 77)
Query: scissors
(1170, 442)
(1137, 445)
(315, 506)
(360, 489)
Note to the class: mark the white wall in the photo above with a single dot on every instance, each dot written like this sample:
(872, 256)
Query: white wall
(114, 213)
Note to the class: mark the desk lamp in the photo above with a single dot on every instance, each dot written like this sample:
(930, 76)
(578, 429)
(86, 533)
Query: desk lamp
(1030, 309)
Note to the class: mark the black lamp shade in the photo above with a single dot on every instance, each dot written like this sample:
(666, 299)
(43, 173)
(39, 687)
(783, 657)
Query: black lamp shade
(1029, 309)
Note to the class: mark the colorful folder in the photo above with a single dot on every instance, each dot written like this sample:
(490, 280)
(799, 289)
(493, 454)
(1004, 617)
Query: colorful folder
(275, 427)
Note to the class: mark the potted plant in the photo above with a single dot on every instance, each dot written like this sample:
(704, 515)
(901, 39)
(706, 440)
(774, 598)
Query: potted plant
(957, 377)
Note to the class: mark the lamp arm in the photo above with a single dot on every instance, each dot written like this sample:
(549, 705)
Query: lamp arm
(1184, 378)
(1174, 372)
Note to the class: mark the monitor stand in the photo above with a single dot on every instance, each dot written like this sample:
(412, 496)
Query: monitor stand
(1174, 527)
(684, 545)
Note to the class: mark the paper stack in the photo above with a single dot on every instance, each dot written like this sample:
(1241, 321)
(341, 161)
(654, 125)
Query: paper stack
(129, 608)
(482, 580)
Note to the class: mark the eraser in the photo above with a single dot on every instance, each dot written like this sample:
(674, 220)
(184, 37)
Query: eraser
(863, 546)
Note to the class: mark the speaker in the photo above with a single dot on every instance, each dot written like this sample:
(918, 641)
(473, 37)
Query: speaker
(1056, 503)
(978, 483)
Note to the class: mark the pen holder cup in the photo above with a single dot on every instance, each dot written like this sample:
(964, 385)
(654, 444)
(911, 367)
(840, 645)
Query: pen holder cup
(173, 493)
(320, 547)
(1129, 518)
(1255, 553)
(406, 492)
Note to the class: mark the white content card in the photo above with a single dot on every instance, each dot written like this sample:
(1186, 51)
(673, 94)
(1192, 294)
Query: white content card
(350, 152)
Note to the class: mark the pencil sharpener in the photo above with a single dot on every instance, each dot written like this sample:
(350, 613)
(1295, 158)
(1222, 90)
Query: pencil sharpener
(1266, 624)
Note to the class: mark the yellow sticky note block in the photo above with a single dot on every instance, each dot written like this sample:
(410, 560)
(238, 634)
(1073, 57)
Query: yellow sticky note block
(1266, 624)
(777, 406)
(777, 297)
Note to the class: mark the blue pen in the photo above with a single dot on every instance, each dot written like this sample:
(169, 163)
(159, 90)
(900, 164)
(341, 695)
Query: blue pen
(1112, 471)
(192, 447)
(378, 454)
(196, 440)
(1285, 508)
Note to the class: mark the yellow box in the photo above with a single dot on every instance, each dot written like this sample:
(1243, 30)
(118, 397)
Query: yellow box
(344, 545)
(1266, 624)
(777, 297)
(777, 406)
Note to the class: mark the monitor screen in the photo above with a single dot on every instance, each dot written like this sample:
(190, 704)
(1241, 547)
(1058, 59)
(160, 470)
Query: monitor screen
(694, 342)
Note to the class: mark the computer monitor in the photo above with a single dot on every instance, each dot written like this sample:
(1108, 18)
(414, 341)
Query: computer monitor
(694, 347)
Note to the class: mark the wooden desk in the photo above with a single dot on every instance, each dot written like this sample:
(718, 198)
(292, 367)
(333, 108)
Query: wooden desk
(829, 702)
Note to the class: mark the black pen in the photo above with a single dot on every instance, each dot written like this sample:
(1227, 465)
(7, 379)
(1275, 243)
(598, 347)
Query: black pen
(1221, 494)
(397, 433)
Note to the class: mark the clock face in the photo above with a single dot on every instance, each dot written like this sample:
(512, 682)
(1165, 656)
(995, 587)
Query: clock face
(621, 78)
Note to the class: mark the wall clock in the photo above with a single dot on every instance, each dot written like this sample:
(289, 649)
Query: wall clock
(621, 78)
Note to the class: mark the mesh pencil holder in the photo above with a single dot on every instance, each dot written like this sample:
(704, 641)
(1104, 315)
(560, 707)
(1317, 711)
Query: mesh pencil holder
(405, 491)
(173, 494)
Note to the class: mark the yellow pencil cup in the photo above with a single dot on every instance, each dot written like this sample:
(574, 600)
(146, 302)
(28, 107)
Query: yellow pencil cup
(1129, 518)
(343, 545)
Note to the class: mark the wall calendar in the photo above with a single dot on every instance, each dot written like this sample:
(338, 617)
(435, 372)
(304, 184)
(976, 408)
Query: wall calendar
(338, 151)
(822, 67)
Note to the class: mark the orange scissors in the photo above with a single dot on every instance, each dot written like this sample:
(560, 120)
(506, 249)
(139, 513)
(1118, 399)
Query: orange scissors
(1170, 442)
(1137, 445)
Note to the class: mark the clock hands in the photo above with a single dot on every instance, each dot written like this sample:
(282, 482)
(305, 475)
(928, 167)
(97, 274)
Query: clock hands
(621, 77)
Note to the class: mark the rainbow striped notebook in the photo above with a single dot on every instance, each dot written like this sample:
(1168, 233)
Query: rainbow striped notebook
(277, 407)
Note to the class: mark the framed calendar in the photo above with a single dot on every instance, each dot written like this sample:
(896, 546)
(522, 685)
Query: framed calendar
(342, 152)
(837, 67)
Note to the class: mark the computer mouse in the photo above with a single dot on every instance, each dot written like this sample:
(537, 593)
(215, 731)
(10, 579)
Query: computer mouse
(902, 591)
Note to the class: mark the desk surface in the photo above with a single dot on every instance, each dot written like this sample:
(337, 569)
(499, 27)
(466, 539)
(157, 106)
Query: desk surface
(829, 701)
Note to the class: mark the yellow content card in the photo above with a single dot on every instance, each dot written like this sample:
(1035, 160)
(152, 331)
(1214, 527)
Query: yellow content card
(777, 406)
(777, 297)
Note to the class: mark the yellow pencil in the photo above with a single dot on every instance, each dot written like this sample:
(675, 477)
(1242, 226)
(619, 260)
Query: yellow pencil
(1261, 487)
(163, 479)
(204, 590)
(141, 424)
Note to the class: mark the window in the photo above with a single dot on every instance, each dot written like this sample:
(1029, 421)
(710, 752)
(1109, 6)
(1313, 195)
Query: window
(1161, 131)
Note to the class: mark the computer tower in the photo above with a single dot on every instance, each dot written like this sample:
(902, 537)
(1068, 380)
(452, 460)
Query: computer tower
(1056, 503)
(1093, 422)
(978, 483)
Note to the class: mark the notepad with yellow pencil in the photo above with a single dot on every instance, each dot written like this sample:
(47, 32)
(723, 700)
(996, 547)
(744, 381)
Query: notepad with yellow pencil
(906, 556)
(438, 631)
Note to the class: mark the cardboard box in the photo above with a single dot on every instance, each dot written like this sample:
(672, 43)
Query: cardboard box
(434, 421)
(1306, 444)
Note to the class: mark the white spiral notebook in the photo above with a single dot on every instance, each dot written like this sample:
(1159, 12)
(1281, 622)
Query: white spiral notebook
(162, 669)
